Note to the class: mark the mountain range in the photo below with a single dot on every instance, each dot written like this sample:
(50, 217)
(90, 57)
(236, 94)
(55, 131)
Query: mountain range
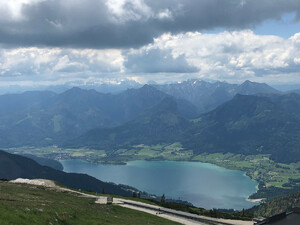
(250, 118)
(46, 118)
(247, 124)
(103, 86)
(207, 96)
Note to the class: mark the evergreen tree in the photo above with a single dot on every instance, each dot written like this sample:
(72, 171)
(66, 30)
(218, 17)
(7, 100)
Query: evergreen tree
(134, 194)
(163, 198)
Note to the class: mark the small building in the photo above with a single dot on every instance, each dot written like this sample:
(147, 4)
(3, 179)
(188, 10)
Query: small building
(104, 200)
(110, 200)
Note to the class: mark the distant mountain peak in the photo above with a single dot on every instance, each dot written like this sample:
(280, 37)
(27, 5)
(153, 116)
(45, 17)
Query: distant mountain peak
(79, 91)
(249, 82)
(249, 88)
(74, 90)
(147, 86)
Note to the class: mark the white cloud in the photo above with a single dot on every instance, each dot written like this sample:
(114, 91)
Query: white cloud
(13, 8)
(165, 14)
(233, 55)
(128, 10)
(56, 62)
(65, 65)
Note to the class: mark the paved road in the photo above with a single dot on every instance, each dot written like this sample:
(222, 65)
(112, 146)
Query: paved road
(185, 218)
(166, 216)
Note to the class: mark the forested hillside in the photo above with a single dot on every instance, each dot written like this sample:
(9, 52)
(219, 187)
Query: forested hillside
(15, 166)
(276, 206)
(248, 125)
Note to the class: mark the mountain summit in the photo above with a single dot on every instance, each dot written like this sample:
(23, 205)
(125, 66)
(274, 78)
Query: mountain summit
(207, 96)
(251, 88)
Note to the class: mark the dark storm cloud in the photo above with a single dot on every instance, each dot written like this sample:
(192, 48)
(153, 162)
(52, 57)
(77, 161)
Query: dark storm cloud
(92, 24)
(157, 61)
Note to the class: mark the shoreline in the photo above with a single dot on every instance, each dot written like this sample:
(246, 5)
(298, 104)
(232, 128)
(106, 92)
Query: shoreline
(246, 197)
(124, 162)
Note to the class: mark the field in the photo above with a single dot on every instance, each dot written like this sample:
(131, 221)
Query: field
(25, 204)
(138, 152)
(258, 167)
(53, 152)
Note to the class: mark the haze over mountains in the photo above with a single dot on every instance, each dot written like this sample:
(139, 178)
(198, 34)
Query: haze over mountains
(109, 86)
(45, 118)
(235, 120)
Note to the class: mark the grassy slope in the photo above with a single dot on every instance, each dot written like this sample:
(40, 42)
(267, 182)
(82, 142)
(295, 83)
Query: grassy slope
(25, 204)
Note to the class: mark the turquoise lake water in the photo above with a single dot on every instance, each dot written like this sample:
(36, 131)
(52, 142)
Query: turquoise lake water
(204, 185)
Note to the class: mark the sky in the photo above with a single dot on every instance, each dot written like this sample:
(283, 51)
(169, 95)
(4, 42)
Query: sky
(45, 42)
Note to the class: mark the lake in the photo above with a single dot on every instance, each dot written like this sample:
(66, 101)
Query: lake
(204, 185)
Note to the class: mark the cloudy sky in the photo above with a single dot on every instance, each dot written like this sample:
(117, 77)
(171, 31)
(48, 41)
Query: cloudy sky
(56, 41)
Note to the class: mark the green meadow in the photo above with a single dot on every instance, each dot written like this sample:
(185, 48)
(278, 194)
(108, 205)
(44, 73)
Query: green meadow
(26, 204)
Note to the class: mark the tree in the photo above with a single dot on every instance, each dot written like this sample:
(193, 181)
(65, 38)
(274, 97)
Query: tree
(163, 198)
(103, 191)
